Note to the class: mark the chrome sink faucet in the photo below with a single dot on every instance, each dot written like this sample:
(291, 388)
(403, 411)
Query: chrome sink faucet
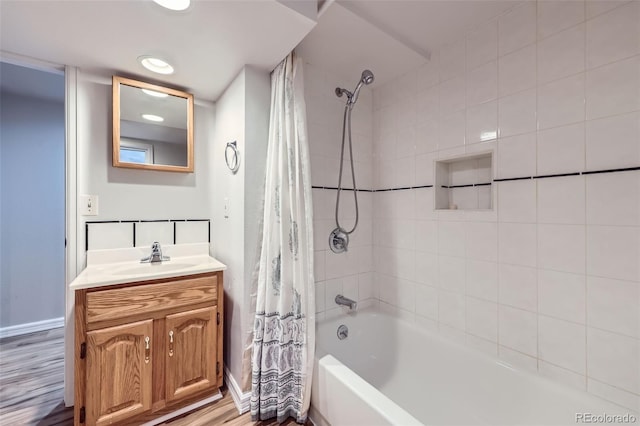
(345, 301)
(156, 254)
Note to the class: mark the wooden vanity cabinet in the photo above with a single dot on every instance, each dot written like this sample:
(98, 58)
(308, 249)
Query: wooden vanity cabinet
(146, 349)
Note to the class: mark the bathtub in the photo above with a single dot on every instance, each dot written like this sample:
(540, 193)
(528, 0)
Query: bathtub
(390, 372)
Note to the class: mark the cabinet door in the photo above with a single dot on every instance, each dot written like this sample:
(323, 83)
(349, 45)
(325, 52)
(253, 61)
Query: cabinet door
(119, 372)
(191, 352)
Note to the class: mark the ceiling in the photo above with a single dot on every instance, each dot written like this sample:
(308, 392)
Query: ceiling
(134, 102)
(208, 44)
(391, 37)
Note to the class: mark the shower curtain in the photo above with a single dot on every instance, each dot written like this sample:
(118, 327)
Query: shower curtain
(284, 327)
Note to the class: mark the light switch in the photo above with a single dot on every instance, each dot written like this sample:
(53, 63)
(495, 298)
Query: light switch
(226, 207)
(89, 205)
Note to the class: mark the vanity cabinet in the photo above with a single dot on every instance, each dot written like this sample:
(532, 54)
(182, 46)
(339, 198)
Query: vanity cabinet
(145, 349)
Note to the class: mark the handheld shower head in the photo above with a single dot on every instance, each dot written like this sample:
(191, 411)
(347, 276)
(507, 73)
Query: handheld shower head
(367, 77)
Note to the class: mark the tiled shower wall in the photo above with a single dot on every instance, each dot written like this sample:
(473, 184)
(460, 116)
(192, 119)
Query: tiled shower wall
(348, 273)
(549, 280)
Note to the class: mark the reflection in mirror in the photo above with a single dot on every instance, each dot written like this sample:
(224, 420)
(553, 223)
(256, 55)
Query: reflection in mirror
(152, 127)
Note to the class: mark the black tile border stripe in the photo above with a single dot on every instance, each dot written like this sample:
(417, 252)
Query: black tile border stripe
(374, 190)
(590, 172)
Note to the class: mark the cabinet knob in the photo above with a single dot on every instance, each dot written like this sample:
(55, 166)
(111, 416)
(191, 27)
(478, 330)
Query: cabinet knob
(147, 349)
(171, 343)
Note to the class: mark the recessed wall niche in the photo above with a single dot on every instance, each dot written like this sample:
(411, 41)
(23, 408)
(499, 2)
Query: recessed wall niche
(465, 183)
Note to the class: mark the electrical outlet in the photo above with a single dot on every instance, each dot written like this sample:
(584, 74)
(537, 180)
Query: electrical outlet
(89, 205)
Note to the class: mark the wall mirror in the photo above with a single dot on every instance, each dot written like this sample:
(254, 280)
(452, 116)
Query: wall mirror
(152, 127)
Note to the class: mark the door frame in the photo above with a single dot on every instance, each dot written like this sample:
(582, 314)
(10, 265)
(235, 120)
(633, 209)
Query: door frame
(70, 166)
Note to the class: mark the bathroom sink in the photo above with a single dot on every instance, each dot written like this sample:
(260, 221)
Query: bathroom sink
(149, 268)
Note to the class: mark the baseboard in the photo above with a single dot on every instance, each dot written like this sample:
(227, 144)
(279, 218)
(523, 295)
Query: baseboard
(31, 327)
(242, 400)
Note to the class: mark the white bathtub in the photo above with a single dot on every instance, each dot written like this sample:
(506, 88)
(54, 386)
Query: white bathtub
(389, 372)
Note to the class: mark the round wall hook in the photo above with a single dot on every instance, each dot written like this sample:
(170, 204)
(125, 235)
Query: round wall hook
(232, 156)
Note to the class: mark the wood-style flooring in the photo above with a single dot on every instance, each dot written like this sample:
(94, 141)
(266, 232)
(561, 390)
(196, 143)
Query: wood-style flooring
(32, 380)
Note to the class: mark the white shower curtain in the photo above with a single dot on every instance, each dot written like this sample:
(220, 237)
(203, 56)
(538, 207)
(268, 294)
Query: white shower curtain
(284, 327)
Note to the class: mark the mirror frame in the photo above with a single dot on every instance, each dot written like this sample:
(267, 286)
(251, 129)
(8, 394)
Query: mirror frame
(117, 82)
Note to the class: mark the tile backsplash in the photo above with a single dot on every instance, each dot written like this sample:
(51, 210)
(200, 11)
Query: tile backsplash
(142, 233)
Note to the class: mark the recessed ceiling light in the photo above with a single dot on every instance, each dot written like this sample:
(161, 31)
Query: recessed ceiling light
(155, 94)
(174, 4)
(152, 117)
(156, 65)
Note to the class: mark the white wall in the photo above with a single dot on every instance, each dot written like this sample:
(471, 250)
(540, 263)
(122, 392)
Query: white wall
(243, 116)
(347, 273)
(550, 279)
(32, 199)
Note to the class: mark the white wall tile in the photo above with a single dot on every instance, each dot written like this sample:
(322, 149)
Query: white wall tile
(451, 309)
(613, 89)
(482, 318)
(426, 301)
(320, 297)
(517, 71)
(561, 102)
(613, 199)
(426, 236)
(451, 238)
(561, 200)
(452, 130)
(598, 7)
(482, 83)
(518, 287)
(613, 359)
(562, 375)
(613, 142)
(518, 330)
(482, 122)
(613, 394)
(557, 15)
(613, 252)
(482, 241)
(452, 273)
(452, 60)
(428, 74)
(562, 295)
(110, 235)
(517, 156)
(517, 28)
(482, 45)
(452, 96)
(517, 113)
(517, 244)
(562, 54)
(561, 149)
(427, 269)
(562, 343)
(149, 232)
(318, 265)
(517, 201)
(192, 232)
(604, 45)
(427, 105)
(614, 305)
(562, 248)
(518, 360)
(482, 280)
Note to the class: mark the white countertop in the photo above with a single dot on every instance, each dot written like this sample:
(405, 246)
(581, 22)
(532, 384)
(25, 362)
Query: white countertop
(118, 266)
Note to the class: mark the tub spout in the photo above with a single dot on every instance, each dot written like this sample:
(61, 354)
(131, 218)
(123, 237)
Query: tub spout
(345, 301)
